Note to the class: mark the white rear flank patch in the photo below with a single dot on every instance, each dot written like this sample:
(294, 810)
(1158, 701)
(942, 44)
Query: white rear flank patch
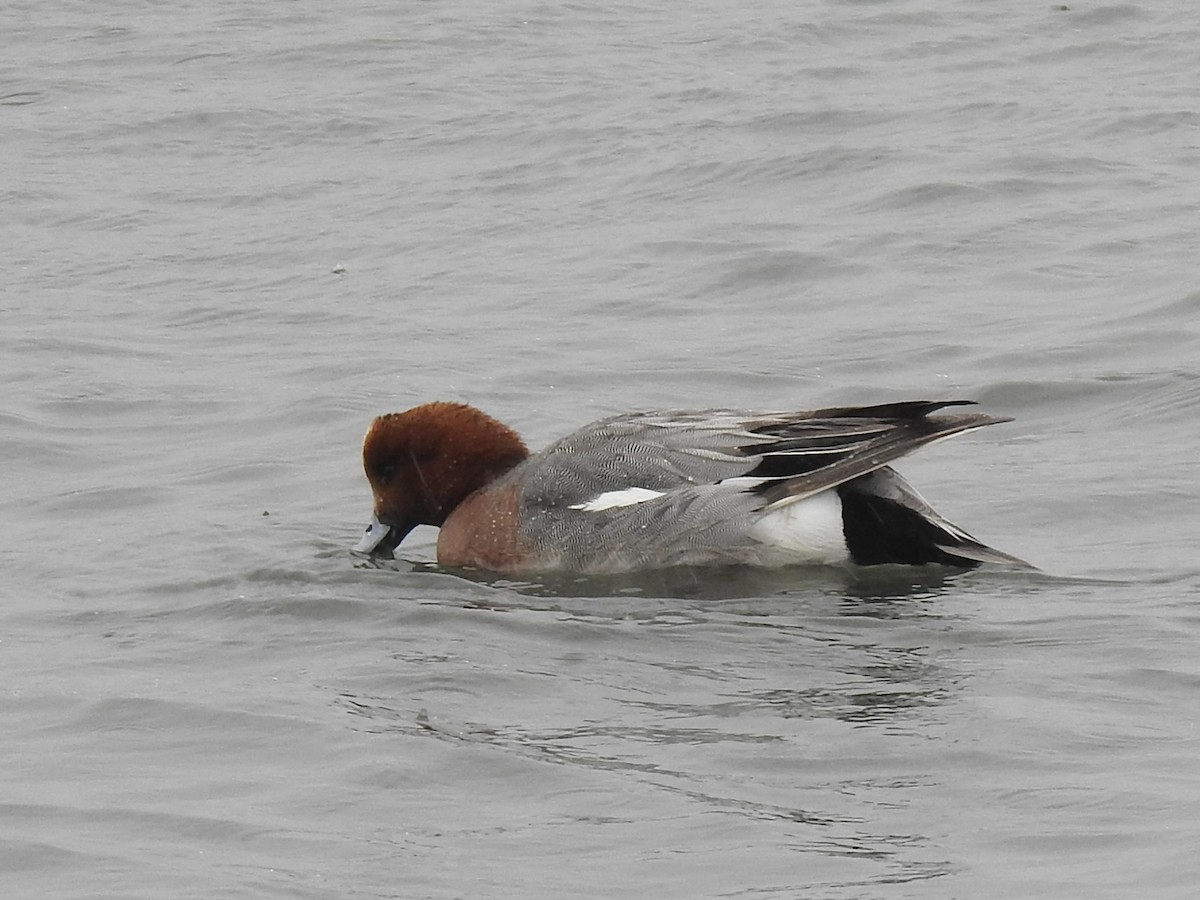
(807, 531)
(612, 499)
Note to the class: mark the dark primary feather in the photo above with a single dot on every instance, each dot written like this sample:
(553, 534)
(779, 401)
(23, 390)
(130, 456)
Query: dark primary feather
(797, 453)
(833, 446)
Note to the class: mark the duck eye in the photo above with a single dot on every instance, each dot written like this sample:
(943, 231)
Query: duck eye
(384, 474)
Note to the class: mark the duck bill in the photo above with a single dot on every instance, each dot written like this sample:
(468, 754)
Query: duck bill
(380, 539)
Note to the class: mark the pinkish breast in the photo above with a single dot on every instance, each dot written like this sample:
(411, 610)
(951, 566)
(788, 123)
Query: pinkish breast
(483, 532)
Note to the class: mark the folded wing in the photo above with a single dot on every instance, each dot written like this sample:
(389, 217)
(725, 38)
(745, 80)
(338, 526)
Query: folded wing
(790, 455)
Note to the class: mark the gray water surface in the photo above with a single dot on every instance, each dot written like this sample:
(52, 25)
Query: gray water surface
(235, 233)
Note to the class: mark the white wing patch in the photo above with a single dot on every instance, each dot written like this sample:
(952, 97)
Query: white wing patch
(612, 499)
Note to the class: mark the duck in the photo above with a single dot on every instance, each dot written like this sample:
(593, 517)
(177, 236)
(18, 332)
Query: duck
(660, 489)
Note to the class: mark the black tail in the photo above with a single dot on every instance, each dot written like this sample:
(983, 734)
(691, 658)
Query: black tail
(886, 521)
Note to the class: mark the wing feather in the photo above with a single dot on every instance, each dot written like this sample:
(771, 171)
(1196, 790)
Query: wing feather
(783, 457)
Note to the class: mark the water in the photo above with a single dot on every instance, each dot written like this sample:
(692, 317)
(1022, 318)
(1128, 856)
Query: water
(234, 234)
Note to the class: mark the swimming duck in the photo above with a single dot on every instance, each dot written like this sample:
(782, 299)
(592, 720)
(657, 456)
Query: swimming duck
(651, 490)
